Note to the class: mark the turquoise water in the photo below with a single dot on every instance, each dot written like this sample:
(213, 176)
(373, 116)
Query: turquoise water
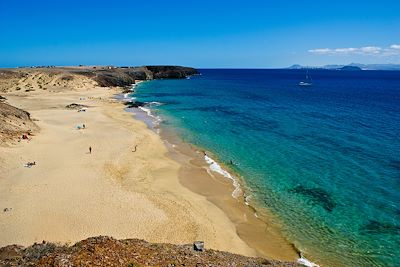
(324, 159)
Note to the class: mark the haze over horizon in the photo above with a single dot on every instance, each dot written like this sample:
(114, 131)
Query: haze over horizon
(206, 34)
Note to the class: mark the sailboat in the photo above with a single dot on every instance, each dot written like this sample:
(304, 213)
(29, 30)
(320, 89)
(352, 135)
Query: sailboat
(307, 81)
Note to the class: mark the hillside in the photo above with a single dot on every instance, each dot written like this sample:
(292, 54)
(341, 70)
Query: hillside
(14, 123)
(106, 251)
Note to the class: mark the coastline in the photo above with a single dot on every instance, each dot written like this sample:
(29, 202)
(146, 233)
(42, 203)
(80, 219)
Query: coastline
(204, 175)
(201, 113)
(71, 194)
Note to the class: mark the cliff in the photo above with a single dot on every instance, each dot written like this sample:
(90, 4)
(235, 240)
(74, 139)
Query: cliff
(126, 76)
(106, 251)
(31, 79)
(170, 72)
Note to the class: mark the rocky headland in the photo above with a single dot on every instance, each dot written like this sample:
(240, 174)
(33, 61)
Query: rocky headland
(16, 123)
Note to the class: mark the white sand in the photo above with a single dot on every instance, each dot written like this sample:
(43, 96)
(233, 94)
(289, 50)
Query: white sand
(70, 195)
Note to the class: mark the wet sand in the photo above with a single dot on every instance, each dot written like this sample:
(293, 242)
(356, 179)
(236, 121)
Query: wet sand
(256, 226)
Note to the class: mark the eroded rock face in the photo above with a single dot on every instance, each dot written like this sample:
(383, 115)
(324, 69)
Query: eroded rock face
(171, 72)
(106, 251)
(14, 123)
(127, 75)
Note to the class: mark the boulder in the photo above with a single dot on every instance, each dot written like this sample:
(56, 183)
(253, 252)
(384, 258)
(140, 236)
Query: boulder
(198, 246)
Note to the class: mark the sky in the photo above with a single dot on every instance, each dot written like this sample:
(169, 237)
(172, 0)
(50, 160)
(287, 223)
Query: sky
(202, 34)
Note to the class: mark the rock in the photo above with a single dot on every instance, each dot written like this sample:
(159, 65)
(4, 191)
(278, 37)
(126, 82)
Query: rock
(198, 245)
(11, 253)
(107, 251)
(75, 106)
(134, 104)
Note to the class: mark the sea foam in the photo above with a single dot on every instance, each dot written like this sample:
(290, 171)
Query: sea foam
(305, 262)
(215, 167)
(156, 119)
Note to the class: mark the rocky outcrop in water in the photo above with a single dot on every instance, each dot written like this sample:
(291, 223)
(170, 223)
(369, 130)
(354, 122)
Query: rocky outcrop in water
(134, 104)
(107, 251)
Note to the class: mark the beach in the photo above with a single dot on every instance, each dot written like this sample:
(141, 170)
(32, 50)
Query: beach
(132, 184)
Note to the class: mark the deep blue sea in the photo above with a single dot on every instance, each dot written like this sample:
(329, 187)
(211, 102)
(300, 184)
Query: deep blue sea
(325, 159)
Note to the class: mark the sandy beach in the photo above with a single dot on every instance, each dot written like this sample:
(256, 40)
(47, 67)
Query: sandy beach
(152, 192)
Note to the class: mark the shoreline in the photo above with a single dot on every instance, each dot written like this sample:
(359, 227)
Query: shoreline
(257, 225)
(71, 194)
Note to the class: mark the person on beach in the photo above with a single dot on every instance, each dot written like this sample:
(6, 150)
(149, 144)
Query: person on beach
(90, 150)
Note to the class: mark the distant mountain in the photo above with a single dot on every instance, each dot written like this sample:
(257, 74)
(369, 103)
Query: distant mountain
(296, 67)
(351, 67)
(377, 66)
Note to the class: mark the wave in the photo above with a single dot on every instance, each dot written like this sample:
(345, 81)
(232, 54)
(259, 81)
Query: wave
(305, 262)
(247, 199)
(156, 119)
(153, 104)
(130, 91)
(128, 96)
(215, 167)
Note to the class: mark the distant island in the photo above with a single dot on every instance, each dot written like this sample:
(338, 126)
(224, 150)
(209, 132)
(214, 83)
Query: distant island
(350, 67)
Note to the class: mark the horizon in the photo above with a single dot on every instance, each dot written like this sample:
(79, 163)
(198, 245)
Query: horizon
(320, 67)
(226, 34)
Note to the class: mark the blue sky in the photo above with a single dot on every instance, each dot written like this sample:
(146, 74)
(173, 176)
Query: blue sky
(199, 33)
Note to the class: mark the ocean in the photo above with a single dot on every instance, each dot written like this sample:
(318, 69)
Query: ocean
(324, 159)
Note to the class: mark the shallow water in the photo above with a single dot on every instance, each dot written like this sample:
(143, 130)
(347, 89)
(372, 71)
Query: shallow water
(325, 159)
